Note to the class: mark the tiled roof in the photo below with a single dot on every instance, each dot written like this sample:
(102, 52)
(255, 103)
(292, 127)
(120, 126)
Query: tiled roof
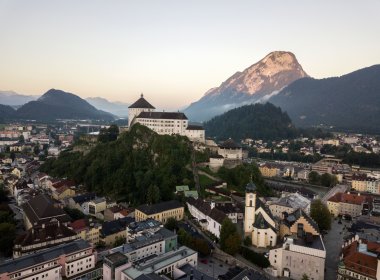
(163, 115)
(348, 198)
(141, 103)
(296, 215)
(41, 209)
(78, 225)
(360, 262)
(194, 127)
(159, 207)
(37, 235)
(229, 144)
(205, 208)
(115, 226)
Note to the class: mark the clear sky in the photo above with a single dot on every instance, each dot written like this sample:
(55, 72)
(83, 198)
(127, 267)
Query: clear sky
(174, 51)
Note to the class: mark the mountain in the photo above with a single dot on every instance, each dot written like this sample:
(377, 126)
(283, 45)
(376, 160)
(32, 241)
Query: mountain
(57, 104)
(6, 112)
(255, 121)
(256, 83)
(119, 109)
(14, 99)
(350, 102)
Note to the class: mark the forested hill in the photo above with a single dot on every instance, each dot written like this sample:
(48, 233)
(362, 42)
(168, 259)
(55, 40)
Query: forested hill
(256, 121)
(132, 168)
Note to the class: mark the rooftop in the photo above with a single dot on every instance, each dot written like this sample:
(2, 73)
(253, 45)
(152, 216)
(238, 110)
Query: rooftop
(163, 115)
(43, 256)
(141, 103)
(159, 207)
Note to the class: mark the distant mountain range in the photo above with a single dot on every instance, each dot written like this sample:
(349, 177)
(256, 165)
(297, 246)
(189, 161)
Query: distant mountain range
(55, 104)
(350, 102)
(14, 99)
(119, 109)
(256, 83)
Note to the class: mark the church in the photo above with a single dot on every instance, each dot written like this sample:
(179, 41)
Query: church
(259, 223)
(168, 123)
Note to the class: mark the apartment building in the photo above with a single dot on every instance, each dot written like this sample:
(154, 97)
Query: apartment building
(348, 204)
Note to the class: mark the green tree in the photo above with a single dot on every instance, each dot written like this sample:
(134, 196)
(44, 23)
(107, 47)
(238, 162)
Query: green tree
(7, 236)
(74, 214)
(230, 239)
(247, 241)
(21, 139)
(153, 194)
(314, 178)
(171, 224)
(305, 277)
(119, 241)
(328, 180)
(320, 214)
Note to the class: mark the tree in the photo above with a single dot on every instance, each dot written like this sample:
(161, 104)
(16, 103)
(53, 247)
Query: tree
(36, 150)
(230, 239)
(108, 134)
(328, 180)
(153, 194)
(305, 277)
(171, 224)
(119, 240)
(21, 139)
(7, 236)
(13, 156)
(247, 241)
(314, 178)
(74, 214)
(320, 214)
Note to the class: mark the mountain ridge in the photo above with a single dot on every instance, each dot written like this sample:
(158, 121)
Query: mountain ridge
(272, 73)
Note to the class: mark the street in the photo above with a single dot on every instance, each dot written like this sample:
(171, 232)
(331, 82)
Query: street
(333, 243)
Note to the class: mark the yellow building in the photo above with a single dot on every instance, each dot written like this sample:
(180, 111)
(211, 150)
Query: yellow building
(346, 204)
(160, 212)
(268, 170)
(63, 192)
(113, 230)
(87, 230)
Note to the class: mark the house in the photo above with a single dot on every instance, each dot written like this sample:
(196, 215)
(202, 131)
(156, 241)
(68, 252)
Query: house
(269, 170)
(160, 211)
(42, 237)
(116, 212)
(208, 216)
(230, 150)
(63, 192)
(113, 264)
(348, 204)
(74, 260)
(87, 230)
(41, 210)
(137, 229)
(302, 252)
(168, 123)
(359, 260)
(113, 230)
(259, 222)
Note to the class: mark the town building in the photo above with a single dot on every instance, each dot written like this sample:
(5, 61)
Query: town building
(259, 222)
(41, 210)
(209, 217)
(364, 183)
(41, 237)
(87, 229)
(74, 260)
(168, 264)
(168, 123)
(302, 252)
(348, 204)
(137, 229)
(269, 170)
(114, 230)
(115, 212)
(359, 260)
(113, 265)
(160, 211)
(287, 203)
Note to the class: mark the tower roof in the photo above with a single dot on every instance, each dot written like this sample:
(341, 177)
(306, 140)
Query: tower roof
(250, 187)
(142, 103)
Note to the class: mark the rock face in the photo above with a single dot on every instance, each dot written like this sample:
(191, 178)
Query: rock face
(255, 84)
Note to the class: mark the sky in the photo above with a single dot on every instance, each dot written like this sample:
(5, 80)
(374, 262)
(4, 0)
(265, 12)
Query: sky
(174, 51)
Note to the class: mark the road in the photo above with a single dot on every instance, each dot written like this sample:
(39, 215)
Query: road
(333, 243)
(321, 191)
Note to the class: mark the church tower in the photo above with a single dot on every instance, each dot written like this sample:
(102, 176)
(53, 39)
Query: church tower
(141, 105)
(250, 208)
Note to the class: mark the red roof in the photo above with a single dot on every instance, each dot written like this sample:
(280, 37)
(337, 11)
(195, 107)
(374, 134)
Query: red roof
(359, 262)
(78, 225)
(348, 198)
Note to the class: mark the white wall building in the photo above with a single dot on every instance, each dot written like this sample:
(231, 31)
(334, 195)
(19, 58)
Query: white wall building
(165, 123)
